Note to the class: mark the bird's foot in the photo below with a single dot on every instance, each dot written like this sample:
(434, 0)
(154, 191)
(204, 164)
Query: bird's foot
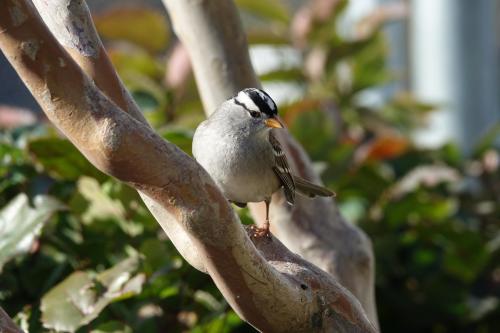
(261, 232)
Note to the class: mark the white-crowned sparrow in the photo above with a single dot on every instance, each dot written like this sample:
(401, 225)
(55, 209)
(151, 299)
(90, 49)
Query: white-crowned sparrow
(236, 147)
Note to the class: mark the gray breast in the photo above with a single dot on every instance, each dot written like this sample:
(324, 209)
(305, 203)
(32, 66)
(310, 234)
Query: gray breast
(242, 168)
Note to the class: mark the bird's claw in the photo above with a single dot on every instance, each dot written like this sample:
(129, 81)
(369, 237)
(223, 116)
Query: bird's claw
(260, 232)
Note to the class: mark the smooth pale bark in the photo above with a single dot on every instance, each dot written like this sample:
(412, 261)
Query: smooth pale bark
(71, 24)
(266, 284)
(212, 33)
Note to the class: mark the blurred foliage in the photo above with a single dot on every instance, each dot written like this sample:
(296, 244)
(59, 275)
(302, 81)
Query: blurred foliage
(101, 263)
(136, 25)
(80, 252)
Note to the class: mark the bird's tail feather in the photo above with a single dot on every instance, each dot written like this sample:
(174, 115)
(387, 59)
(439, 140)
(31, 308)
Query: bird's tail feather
(311, 190)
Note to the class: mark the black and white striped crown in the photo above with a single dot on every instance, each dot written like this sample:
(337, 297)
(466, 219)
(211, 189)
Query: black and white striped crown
(254, 99)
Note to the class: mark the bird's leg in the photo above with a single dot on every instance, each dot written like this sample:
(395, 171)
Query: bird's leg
(266, 224)
(264, 231)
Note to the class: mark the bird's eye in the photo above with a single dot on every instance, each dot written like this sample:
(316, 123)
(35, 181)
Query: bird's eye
(255, 114)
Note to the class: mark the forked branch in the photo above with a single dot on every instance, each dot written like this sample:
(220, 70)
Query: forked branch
(212, 33)
(267, 285)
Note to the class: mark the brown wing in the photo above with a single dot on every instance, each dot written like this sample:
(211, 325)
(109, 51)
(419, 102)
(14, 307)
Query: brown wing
(311, 190)
(282, 170)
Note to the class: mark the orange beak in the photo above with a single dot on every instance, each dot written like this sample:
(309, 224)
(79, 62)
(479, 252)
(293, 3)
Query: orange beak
(273, 123)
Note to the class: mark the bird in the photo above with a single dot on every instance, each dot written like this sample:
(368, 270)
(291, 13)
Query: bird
(238, 149)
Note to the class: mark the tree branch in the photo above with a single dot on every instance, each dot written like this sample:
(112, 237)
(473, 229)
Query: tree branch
(272, 289)
(224, 68)
(6, 324)
(70, 22)
(313, 229)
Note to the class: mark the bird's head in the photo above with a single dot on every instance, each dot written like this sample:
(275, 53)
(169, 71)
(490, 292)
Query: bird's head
(256, 108)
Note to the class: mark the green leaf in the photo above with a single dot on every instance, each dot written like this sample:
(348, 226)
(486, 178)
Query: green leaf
(61, 159)
(140, 25)
(261, 35)
(9, 155)
(12, 169)
(290, 74)
(100, 205)
(66, 306)
(146, 101)
(112, 327)
(464, 254)
(149, 95)
(134, 59)
(155, 254)
(223, 323)
(21, 223)
(273, 10)
(80, 298)
(180, 137)
(22, 319)
(208, 300)
(368, 64)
